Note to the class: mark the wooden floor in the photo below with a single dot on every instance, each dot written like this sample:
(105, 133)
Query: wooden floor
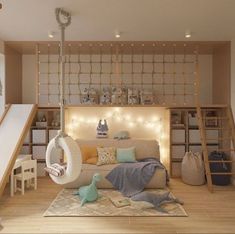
(208, 213)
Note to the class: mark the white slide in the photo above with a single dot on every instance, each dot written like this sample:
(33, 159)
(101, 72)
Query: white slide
(14, 125)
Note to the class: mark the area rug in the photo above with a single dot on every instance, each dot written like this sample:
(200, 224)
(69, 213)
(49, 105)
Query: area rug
(68, 205)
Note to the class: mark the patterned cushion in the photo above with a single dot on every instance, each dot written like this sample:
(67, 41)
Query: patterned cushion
(106, 155)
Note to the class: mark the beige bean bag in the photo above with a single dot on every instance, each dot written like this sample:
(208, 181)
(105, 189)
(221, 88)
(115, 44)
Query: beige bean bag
(192, 169)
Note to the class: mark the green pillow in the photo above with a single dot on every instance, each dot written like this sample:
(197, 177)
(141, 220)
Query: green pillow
(126, 155)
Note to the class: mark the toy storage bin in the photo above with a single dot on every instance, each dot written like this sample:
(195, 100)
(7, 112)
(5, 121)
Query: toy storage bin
(39, 136)
(178, 136)
(178, 151)
(176, 169)
(52, 133)
(39, 152)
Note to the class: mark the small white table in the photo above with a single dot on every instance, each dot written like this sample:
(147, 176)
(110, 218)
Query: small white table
(19, 160)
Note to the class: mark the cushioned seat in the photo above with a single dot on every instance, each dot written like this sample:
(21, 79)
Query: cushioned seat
(144, 149)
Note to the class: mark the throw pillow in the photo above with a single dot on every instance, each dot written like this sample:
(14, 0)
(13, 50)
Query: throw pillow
(126, 155)
(93, 160)
(106, 155)
(88, 152)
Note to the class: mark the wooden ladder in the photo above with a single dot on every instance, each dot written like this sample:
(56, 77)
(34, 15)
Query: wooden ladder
(226, 127)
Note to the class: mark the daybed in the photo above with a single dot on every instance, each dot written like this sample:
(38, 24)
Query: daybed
(144, 148)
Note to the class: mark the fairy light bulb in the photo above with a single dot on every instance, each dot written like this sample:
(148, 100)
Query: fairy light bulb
(140, 120)
(117, 109)
(127, 117)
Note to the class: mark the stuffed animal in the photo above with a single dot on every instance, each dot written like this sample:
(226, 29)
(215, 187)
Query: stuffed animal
(89, 96)
(133, 96)
(119, 95)
(157, 200)
(105, 97)
(102, 129)
(89, 192)
(146, 97)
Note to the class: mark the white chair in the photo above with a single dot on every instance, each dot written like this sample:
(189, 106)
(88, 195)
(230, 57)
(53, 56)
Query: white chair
(28, 173)
(17, 165)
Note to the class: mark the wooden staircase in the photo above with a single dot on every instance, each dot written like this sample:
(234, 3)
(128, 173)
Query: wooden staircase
(226, 139)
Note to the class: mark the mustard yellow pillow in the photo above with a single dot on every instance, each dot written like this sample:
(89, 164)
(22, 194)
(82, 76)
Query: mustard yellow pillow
(88, 152)
(93, 160)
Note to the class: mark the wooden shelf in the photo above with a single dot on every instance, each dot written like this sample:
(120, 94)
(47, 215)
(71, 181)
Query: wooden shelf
(209, 106)
(177, 159)
(39, 144)
(48, 127)
(178, 143)
(191, 133)
(197, 144)
(177, 127)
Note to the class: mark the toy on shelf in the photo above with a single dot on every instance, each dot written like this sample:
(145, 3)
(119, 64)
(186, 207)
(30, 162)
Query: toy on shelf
(105, 97)
(41, 121)
(133, 96)
(146, 97)
(119, 96)
(89, 193)
(102, 129)
(89, 96)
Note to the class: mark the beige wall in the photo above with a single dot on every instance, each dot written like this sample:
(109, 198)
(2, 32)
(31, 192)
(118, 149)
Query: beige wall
(221, 75)
(13, 71)
(141, 122)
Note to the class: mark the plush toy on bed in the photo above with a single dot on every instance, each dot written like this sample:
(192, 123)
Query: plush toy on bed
(89, 192)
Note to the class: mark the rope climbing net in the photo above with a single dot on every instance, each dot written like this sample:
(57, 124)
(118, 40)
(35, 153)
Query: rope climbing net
(116, 73)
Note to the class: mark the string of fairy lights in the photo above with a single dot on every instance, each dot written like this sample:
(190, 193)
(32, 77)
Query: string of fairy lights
(154, 122)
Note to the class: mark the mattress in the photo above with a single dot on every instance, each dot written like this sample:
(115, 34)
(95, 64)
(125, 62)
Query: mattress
(88, 170)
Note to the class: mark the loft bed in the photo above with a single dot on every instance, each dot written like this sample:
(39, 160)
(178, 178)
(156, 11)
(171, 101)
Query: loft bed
(169, 71)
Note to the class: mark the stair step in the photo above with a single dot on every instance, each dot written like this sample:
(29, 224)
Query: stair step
(225, 150)
(220, 161)
(219, 139)
(205, 118)
(217, 128)
(222, 173)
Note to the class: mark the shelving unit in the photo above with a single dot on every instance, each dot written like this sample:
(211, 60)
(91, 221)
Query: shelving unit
(185, 133)
(41, 132)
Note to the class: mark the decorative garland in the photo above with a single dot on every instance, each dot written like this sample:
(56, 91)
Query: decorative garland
(155, 123)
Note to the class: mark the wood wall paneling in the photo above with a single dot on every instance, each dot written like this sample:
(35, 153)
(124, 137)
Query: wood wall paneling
(13, 71)
(221, 73)
(1, 47)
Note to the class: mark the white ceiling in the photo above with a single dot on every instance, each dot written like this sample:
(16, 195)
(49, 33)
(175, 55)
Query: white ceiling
(30, 20)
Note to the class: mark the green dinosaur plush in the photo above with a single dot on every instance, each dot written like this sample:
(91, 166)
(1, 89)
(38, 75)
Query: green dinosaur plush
(89, 192)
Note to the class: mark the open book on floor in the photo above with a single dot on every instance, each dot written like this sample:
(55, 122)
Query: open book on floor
(120, 202)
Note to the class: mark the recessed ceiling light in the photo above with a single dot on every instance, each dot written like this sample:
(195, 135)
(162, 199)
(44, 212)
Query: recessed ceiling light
(117, 34)
(188, 34)
(51, 34)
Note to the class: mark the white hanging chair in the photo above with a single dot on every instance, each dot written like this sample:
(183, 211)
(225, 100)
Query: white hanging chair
(66, 143)
(73, 156)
